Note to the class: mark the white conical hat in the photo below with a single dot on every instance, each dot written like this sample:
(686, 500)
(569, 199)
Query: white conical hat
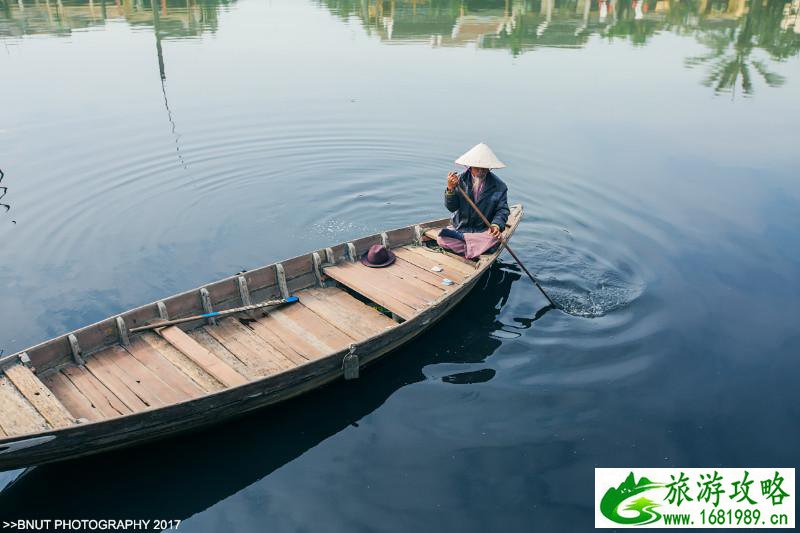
(480, 156)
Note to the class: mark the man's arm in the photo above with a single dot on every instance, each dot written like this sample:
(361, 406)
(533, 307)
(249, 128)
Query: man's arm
(451, 200)
(502, 212)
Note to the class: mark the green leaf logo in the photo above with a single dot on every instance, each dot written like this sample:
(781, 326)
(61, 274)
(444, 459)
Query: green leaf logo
(615, 497)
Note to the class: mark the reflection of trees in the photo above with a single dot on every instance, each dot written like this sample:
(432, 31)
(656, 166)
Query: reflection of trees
(626, 26)
(402, 20)
(735, 31)
(729, 60)
(732, 29)
(532, 20)
(179, 18)
(545, 23)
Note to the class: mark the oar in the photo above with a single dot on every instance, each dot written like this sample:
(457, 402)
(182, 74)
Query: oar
(505, 243)
(226, 312)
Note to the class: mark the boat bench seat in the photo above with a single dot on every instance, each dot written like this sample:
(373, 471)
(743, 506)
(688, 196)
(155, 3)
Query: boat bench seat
(409, 285)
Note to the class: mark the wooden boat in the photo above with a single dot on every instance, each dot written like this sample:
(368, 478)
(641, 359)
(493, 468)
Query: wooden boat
(103, 387)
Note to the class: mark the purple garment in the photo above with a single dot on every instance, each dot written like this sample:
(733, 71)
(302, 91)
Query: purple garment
(473, 245)
(477, 187)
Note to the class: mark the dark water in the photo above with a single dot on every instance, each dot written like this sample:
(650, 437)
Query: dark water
(654, 146)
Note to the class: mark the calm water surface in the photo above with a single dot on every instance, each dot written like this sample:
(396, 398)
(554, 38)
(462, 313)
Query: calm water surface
(151, 147)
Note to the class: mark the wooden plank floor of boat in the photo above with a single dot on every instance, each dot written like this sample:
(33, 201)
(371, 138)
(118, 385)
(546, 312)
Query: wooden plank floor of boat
(169, 366)
(27, 405)
(324, 321)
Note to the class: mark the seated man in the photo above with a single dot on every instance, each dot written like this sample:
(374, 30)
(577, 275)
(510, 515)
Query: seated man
(468, 235)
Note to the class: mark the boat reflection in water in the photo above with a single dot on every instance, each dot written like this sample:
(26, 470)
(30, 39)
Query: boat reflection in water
(182, 476)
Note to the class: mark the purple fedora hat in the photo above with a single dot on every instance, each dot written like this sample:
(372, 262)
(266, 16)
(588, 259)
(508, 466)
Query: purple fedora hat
(378, 256)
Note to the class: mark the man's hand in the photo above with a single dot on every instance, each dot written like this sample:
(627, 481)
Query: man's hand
(452, 181)
(494, 231)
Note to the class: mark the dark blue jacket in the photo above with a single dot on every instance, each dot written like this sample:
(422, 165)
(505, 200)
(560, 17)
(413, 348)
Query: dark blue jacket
(493, 203)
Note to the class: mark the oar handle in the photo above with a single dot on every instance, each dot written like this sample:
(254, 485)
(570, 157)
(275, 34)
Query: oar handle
(165, 323)
(505, 243)
(480, 214)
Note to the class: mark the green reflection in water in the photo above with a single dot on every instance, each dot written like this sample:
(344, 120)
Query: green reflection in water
(178, 18)
(742, 37)
(730, 62)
